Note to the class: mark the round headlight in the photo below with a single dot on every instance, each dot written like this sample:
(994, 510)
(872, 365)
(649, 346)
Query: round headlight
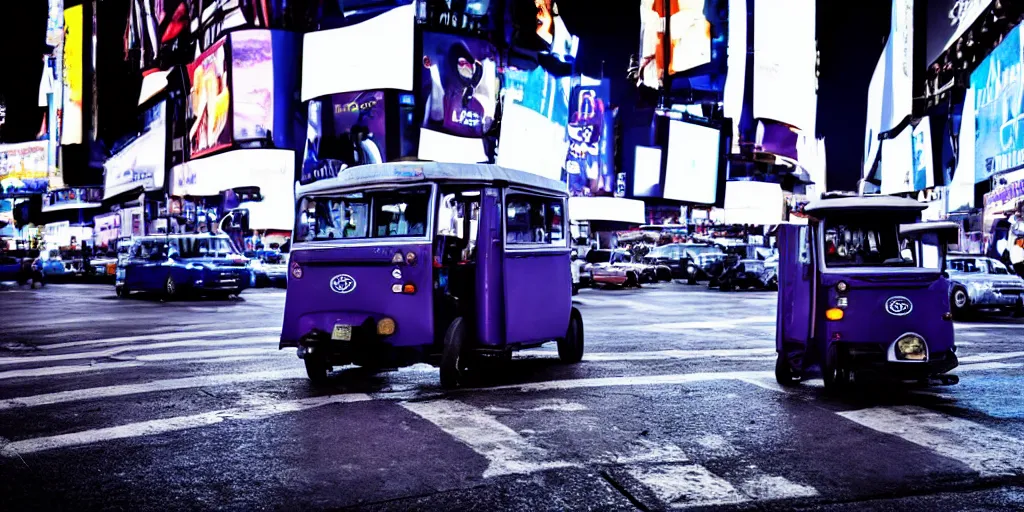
(841, 287)
(911, 348)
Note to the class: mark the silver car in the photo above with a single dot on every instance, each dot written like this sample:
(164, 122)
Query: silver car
(983, 283)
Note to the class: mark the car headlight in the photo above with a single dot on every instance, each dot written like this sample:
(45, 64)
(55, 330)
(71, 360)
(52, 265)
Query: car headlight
(979, 287)
(911, 347)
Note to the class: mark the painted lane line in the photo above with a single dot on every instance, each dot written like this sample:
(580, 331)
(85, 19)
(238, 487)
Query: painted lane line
(163, 426)
(147, 387)
(205, 354)
(768, 487)
(99, 354)
(987, 366)
(177, 335)
(658, 354)
(642, 380)
(507, 452)
(985, 450)
(989, 326)
(683, 486)
(64, 370)
(990, 356)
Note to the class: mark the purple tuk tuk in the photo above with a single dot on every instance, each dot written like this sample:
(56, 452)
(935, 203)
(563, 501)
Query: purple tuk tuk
(449, 264)
(859, 296)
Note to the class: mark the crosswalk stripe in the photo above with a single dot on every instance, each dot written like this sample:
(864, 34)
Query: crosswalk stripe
(178, 335)
(985, 450)
(148, 387)
(205, 354)
(988, 357)
(711, 324)
(166, 425)
(658, 354)
(687, 485)
(506, 451)
(99, 354)
(64, 370)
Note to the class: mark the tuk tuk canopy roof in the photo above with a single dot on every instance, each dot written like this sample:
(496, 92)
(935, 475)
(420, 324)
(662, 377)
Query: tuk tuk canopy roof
(875, 203)
(415, 172)
(944, 228)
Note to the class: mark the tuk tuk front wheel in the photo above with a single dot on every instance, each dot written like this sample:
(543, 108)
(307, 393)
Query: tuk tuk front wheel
(451, 355)
(570, 348)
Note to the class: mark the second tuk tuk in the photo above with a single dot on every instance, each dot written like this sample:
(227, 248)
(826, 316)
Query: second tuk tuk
(448, 264)
(855, 299)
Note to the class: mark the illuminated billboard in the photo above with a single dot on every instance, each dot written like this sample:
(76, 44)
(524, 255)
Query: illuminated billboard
(71, 130)
(210, 101)
(24, 168)
(691, 39)
(457, 97)
(784, 62)
(252, 84)
(535, 115)
(588, 165)
(141, 163)
(692, 170)
(999, 110)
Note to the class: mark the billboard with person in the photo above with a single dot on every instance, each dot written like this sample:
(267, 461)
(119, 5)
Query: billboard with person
(210, 101)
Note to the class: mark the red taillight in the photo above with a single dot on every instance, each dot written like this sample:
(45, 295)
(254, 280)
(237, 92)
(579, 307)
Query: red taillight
(296, 270)
(409, 288)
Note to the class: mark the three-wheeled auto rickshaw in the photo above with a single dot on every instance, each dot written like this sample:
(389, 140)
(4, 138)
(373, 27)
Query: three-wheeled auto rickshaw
(858, 298)
(448, 264)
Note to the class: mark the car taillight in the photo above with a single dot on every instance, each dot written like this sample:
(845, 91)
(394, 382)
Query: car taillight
(296, 270)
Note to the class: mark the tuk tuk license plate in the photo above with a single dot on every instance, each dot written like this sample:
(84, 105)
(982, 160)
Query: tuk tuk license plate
(342, 333)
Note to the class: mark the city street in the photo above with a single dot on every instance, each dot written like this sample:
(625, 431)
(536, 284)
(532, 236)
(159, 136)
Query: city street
(137, 404)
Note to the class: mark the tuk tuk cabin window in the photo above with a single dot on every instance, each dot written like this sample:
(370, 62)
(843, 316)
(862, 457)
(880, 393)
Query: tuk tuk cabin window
(383, 214)
(863, 243)
(534, 220)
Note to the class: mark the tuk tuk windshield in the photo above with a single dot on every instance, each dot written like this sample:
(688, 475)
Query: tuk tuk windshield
(855, 243)
(379, 214)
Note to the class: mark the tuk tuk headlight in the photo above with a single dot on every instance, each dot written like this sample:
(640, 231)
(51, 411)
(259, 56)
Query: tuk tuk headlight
(911, 347)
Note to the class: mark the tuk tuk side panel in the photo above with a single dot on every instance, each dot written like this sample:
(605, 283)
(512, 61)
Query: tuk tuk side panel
(796, 288)
(866, 319)
(538, 295)
(490, 322)
(320, 299)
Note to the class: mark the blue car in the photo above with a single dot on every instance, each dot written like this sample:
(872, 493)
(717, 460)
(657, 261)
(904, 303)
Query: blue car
(11, 269)
(177, 265)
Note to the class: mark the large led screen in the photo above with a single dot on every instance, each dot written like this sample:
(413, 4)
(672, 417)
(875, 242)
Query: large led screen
(588, 165)
(997, 86)
(947, 21)
(344, 130)
(23, 168)
(899, 52)
(252, 83)
(691, 38)
(692, 168)
(647, 172)
(539, 27)
(873, 124)
(142, 162)
(924, 175)
(210, 101)
(54, 22)
(784, 62)
(375, 54)
(898, 163)
(458, 92)
(535, 113)
(71, 124)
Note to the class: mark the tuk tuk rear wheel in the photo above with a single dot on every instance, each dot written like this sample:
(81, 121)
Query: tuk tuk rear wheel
(452, 356)
(835, 376)
(784, 373)
(570, 348)
(316, 369)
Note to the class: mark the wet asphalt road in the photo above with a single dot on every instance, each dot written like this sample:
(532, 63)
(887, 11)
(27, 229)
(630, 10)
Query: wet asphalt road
(139, 405)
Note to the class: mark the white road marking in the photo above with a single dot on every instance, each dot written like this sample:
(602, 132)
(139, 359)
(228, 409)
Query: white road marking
(64, 370)
(659, 354)
(714, 324)
(506, 451)
(990, 356)
(645, 451)
(147, 387)
(110, 352)
(553, 405)
(641, 380)
(989, 326)
(204, 354)
(691, 485)
(768, 487)
(57, 320)
(163, 426)
(987, 366)
(178, 335)
(985, 450)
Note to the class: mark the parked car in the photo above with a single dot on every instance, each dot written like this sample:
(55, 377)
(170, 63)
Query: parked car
(270, 267)
(613, 267)
(706, 266)
(980, 282)
(676, 257)
(11, 269)
(178, 264)
(743, 274)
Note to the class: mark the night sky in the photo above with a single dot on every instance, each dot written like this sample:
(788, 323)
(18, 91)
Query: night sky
(851, 37)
